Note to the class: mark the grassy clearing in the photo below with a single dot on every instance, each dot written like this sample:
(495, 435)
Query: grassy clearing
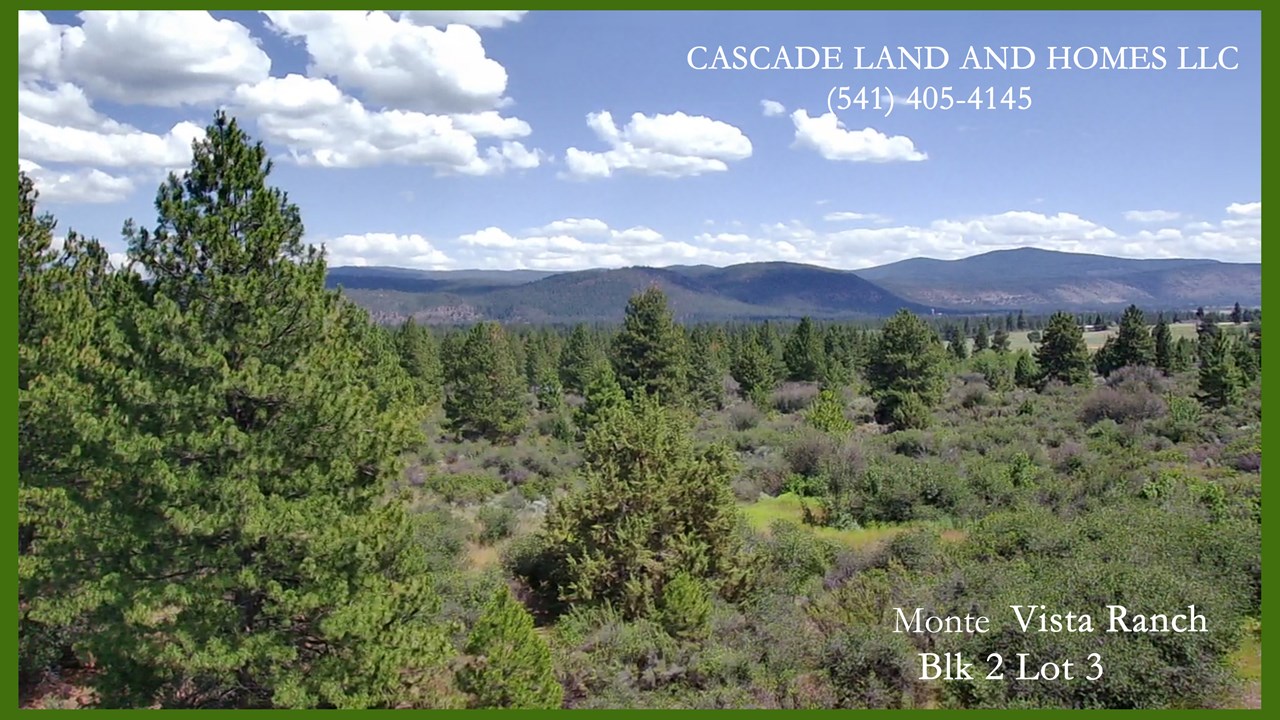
(1018, 338)
(789, 506)
(1247, 663)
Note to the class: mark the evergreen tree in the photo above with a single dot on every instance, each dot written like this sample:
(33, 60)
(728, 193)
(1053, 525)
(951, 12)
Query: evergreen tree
(827, 414)
(1220, 379)
(602, 392)
(579, 354)
(509, 664)
(804, 352)
(1022, 321)
(708, 366)
(486, 395)
(649, 352)
(1184, 354)
(980, 340)
(542, 366)
(652, 506)
(1163, 341)
(1025, 372)
(236, 431)
(1207, 332)
(1062, 354)
(908, 360)
(754, 369)
(1133, 342)
(1237, 314)
(1000, 341)
(420, 359)
(957, 343)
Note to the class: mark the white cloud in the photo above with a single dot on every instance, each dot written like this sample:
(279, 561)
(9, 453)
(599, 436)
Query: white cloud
(396, 62)
(61, 104)
(832, 140)
(474, 18)
(772, 108)
(1249, 210)
(853, 217)
(363, 250)
(166, 58)
(673, 145)
(1151, 216)
(115, 146)
(76, 186)
(320, 125)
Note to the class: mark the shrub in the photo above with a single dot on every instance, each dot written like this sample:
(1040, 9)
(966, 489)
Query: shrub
(827, 414)
(807, 450)
(685, 607)
(465, 487)
(1122, 406)
(744, 416)
(793, 397)
(496, 522)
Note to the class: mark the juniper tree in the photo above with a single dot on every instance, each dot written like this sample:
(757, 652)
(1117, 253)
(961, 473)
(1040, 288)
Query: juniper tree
(652, 505)
(509, 664)
(754, 369)
(223, 529)
(1133, 342)
(1025, 372)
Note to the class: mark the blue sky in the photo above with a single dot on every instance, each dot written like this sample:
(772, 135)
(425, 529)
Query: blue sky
(566, 140)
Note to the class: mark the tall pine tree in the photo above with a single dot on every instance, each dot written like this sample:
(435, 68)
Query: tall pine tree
(649, 351)
(1063, 354)
(486, 396)
(230, 543)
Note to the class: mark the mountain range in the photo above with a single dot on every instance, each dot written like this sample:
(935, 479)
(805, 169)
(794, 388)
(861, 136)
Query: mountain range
(1026, 279)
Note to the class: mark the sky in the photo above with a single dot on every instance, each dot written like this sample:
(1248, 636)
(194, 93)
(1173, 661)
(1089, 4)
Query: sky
(563, 140)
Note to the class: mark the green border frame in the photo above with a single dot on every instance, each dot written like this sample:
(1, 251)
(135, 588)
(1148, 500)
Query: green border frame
(8, 648)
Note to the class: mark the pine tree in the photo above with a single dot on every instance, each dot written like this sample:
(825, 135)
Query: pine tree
(1220, 379)
(908, 361)
(708, 366)
(1133, 342)
(1237, 314)
(1062, 354)
(486, 395)
(602, 393)
(236, 435)
(420, 358)
(1025, 372)
(509, 665)
(1022, 321)
(1000, 341)
(957, 343)
(827, 414)
(980, 340)
(649, 352)
(804, 352)
(1162, 338)
(754, 369)
(579, 354)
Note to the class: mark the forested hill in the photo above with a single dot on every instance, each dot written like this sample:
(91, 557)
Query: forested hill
(1027, 278)
(742, 292)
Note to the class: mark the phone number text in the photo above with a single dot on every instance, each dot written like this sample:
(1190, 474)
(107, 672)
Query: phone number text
(882, 99)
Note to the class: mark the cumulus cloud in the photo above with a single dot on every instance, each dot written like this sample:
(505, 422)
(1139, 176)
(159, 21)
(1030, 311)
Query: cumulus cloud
(772, 108)
(114, 145)
(398, 63)
(321, 126)
(474, 18)
(81, 185)
(1248, 210)
(674, 145)
(165, 58)
(827, 135)
(372, 249)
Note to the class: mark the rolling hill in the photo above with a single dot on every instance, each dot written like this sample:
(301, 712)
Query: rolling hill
(1035, 280)
(1028, 279)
